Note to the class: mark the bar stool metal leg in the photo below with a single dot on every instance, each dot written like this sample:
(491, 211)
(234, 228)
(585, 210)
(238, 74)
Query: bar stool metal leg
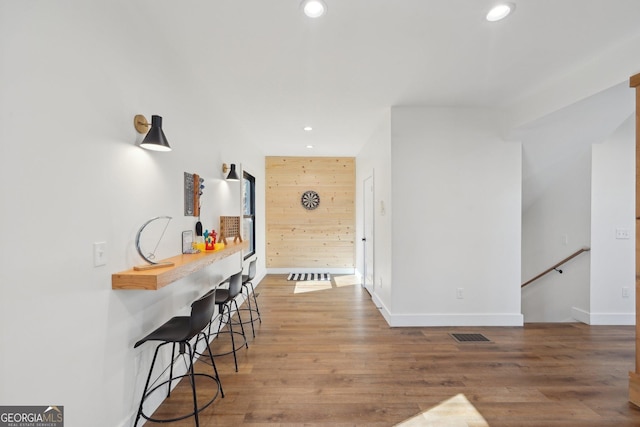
(225, 319)
(224, 299)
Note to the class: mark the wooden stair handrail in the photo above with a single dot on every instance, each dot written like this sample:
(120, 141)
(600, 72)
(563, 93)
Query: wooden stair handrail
(570, 257)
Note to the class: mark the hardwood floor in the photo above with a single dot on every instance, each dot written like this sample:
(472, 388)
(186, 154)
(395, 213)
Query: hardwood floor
(326, 357)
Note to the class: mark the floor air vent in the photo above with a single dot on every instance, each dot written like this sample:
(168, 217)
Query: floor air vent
(463, 338)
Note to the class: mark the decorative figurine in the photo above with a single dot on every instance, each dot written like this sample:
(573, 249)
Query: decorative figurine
(209, 240)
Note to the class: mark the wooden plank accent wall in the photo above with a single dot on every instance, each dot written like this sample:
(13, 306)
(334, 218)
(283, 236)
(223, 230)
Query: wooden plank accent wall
(319, 238)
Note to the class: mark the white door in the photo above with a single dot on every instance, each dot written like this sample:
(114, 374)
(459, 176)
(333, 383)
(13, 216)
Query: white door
(367, 239)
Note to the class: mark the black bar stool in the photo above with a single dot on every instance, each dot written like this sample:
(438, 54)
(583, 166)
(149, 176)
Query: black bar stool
(180, 330)
(224, 299)
(247, 279)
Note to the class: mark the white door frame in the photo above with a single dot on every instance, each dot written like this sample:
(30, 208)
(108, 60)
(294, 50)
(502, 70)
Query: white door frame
(368, 239)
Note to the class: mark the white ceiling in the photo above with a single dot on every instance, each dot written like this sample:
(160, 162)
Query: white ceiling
(275, 70)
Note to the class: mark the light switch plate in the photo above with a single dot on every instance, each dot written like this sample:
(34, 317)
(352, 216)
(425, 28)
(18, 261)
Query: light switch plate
(623, 233)
(99, 254)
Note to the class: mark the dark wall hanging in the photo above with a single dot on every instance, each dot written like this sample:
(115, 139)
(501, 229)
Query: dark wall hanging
(310, 200)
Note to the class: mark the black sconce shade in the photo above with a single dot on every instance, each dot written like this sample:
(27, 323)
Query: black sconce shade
(233, 175)
(155, 139)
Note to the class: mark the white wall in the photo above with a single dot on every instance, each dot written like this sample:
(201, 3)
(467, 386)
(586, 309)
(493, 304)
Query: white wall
(456, 219)
(71, 175)
(612, 208)
(374, 160)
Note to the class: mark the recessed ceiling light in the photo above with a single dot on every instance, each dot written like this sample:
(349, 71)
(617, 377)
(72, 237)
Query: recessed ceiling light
(307, 128)
(309, 146)
(500, 11)
(314, 8)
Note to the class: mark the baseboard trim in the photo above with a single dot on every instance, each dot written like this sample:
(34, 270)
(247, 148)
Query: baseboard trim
(422, 320)
(381, 307)
(603, 319)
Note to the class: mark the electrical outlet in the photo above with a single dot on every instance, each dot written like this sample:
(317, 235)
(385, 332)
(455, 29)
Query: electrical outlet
(625, 292)
(99, 254)
(460, 293)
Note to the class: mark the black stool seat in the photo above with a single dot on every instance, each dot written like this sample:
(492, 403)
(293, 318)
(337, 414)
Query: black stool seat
(176, 329)
(222, 296)
(180, 330)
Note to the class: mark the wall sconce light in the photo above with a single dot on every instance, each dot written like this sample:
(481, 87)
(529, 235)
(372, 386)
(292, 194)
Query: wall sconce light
(155, 139)
(233, 175)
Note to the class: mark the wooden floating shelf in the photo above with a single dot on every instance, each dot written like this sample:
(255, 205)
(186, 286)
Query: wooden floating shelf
(184, 265)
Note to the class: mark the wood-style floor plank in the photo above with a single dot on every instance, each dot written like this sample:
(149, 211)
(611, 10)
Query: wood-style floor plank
(324, 356)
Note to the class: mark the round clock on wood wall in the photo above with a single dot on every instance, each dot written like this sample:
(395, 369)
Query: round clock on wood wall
(310, 200)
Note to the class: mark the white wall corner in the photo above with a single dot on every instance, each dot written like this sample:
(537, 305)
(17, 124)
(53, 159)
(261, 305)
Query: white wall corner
(581, 315)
